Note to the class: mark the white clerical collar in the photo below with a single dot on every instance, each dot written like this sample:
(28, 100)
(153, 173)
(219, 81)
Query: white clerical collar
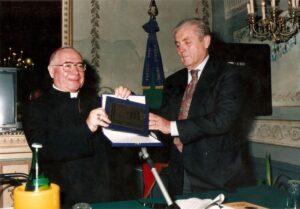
(72, 94)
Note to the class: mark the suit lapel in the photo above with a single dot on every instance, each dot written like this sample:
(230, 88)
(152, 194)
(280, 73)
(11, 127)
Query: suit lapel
(182, 83)
(207, 77)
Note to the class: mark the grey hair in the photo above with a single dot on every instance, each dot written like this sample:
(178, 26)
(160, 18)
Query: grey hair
(53, 55)
(203, 29)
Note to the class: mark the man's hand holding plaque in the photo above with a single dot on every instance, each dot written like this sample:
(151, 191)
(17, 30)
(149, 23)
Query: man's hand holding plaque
(129, 121)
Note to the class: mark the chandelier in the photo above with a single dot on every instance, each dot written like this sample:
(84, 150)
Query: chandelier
(275, 25)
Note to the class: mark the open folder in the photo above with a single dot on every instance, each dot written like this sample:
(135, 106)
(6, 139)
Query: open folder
(129, 121)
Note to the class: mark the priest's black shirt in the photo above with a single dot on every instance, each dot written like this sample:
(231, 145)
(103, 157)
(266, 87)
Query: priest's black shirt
(82, 163)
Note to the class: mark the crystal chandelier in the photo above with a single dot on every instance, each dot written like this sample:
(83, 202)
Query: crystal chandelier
(275, 24)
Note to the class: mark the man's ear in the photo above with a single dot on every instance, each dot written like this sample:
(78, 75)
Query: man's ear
(51, 71)
(206, 40)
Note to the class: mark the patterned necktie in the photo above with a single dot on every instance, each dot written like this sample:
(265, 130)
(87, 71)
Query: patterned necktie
(186, 102)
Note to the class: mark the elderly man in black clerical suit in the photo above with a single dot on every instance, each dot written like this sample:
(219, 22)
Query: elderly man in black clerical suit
(199, 115)
(68, 122)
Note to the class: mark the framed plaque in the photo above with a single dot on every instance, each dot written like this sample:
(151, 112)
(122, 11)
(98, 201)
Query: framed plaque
(127, 116)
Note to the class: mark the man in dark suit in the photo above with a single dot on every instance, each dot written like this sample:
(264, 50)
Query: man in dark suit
(201, 123)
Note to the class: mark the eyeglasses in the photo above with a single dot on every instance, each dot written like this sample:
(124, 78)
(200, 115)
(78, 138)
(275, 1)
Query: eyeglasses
(67, 66)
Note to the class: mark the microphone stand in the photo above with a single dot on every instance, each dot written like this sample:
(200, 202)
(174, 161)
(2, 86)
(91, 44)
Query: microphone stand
(170, 203)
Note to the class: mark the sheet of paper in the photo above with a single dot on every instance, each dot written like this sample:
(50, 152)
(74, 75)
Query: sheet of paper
(197, 203)
(121, 138)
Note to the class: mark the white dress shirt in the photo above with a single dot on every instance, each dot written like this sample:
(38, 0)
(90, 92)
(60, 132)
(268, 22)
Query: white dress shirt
(173, 125)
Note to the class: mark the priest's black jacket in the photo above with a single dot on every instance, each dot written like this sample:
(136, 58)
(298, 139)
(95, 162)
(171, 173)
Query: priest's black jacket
(82, 163)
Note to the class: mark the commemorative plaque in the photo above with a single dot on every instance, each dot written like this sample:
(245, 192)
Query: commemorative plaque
(127, 115)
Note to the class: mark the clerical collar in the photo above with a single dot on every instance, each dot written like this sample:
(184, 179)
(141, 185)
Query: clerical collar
(72, 94)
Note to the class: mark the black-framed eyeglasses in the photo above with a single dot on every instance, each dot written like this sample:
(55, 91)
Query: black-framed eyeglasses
(67, 66)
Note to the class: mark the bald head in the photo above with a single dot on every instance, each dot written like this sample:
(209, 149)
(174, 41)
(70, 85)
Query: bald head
(57, 52)
(68, 81)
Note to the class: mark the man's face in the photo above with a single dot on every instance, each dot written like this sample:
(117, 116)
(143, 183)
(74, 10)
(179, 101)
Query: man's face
(72, 80)
(191, 48)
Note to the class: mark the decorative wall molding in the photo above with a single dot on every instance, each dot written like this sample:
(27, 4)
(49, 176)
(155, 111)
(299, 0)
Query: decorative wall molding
(13, 142)
(241, 35)
(277, 49)
(280, 49)
(67, 23)
(203, 10)
(15, 157)
(95, 36)
(12, 138)
(291, 98)
(278, 132)
(284, 97)
(233, 7)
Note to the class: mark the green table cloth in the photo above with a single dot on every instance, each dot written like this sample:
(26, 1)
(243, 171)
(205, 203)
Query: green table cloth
(266, 196)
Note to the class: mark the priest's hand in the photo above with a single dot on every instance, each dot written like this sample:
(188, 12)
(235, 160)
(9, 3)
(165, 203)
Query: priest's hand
(122, 92)
(96, 118)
